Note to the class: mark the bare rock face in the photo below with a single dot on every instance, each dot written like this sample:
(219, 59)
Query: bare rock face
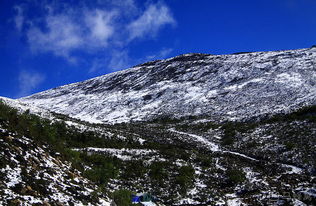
(220, 87)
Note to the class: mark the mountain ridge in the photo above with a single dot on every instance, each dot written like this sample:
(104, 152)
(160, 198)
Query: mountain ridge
(220, 87)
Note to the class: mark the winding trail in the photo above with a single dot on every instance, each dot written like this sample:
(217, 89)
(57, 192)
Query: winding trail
(210, 145)
(216, 148)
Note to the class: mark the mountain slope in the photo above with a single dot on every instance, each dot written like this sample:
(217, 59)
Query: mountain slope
(199, 159)
(221, 87)
(23, 107)
(181, 162)
(32, 174)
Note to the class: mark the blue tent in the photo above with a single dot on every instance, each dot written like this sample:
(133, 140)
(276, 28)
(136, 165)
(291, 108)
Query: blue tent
(145, 197)
(136, 199)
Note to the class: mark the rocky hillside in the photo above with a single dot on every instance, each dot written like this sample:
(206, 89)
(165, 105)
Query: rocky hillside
(190, 161)
(32, 174)
(32, 171)
(221, 87)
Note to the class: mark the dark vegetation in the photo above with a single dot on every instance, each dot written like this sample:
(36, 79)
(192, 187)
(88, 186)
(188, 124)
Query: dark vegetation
(185, 178)
(231, 130)
(62, 138)
(123, 197)
(166, 179)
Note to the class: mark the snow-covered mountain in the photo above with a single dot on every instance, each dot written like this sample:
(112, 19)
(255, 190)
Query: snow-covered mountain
(191, 161)
(233, 87)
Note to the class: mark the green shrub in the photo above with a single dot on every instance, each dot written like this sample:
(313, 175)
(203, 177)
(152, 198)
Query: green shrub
(101, 174)
(204, 160)
(158, 172)
(185, 178)
(236, 176)
(123, 197)
(227, 141)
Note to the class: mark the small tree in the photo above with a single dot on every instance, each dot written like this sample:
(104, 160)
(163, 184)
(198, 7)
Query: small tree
(236, 176)
(185, 178)
(123, 197)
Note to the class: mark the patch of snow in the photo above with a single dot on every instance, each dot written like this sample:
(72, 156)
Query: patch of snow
(293, 169)
(124, 154)
(290, 79)
(13, 175)
(210, 145)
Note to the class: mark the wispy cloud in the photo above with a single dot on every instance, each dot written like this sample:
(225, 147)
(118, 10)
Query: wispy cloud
(19, 18)
(114, 61)
(100, 27)
(126, 7)
(65, 33)
(119, 60)
(29, 81)
(109, 25)
(98, 65)
(151, 21)
(62, 36)
(160, 55)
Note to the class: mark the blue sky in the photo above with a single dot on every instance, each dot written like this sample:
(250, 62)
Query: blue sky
(49, 43)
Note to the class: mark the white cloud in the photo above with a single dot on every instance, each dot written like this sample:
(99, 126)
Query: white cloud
(126, 7)
(151, 21)
(65, 33)
(19, 18)
(99, 23)
(119, 60)
(109, 25)
(160, 55)
(62, 36)
(29, 81)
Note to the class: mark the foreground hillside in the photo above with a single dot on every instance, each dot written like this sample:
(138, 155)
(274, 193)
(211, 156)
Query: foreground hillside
(34, 175)
(32, 172)
(190, 161)
(219, 87)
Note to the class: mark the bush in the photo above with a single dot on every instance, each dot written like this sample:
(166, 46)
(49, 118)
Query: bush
(204, 160)
(185, 178)
(226, 140)
(236, 176)
(101, 174)
(123, 197)
(158, 172)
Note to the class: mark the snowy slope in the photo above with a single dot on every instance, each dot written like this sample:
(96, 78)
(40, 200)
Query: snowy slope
(234, 87)
(23, 107)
